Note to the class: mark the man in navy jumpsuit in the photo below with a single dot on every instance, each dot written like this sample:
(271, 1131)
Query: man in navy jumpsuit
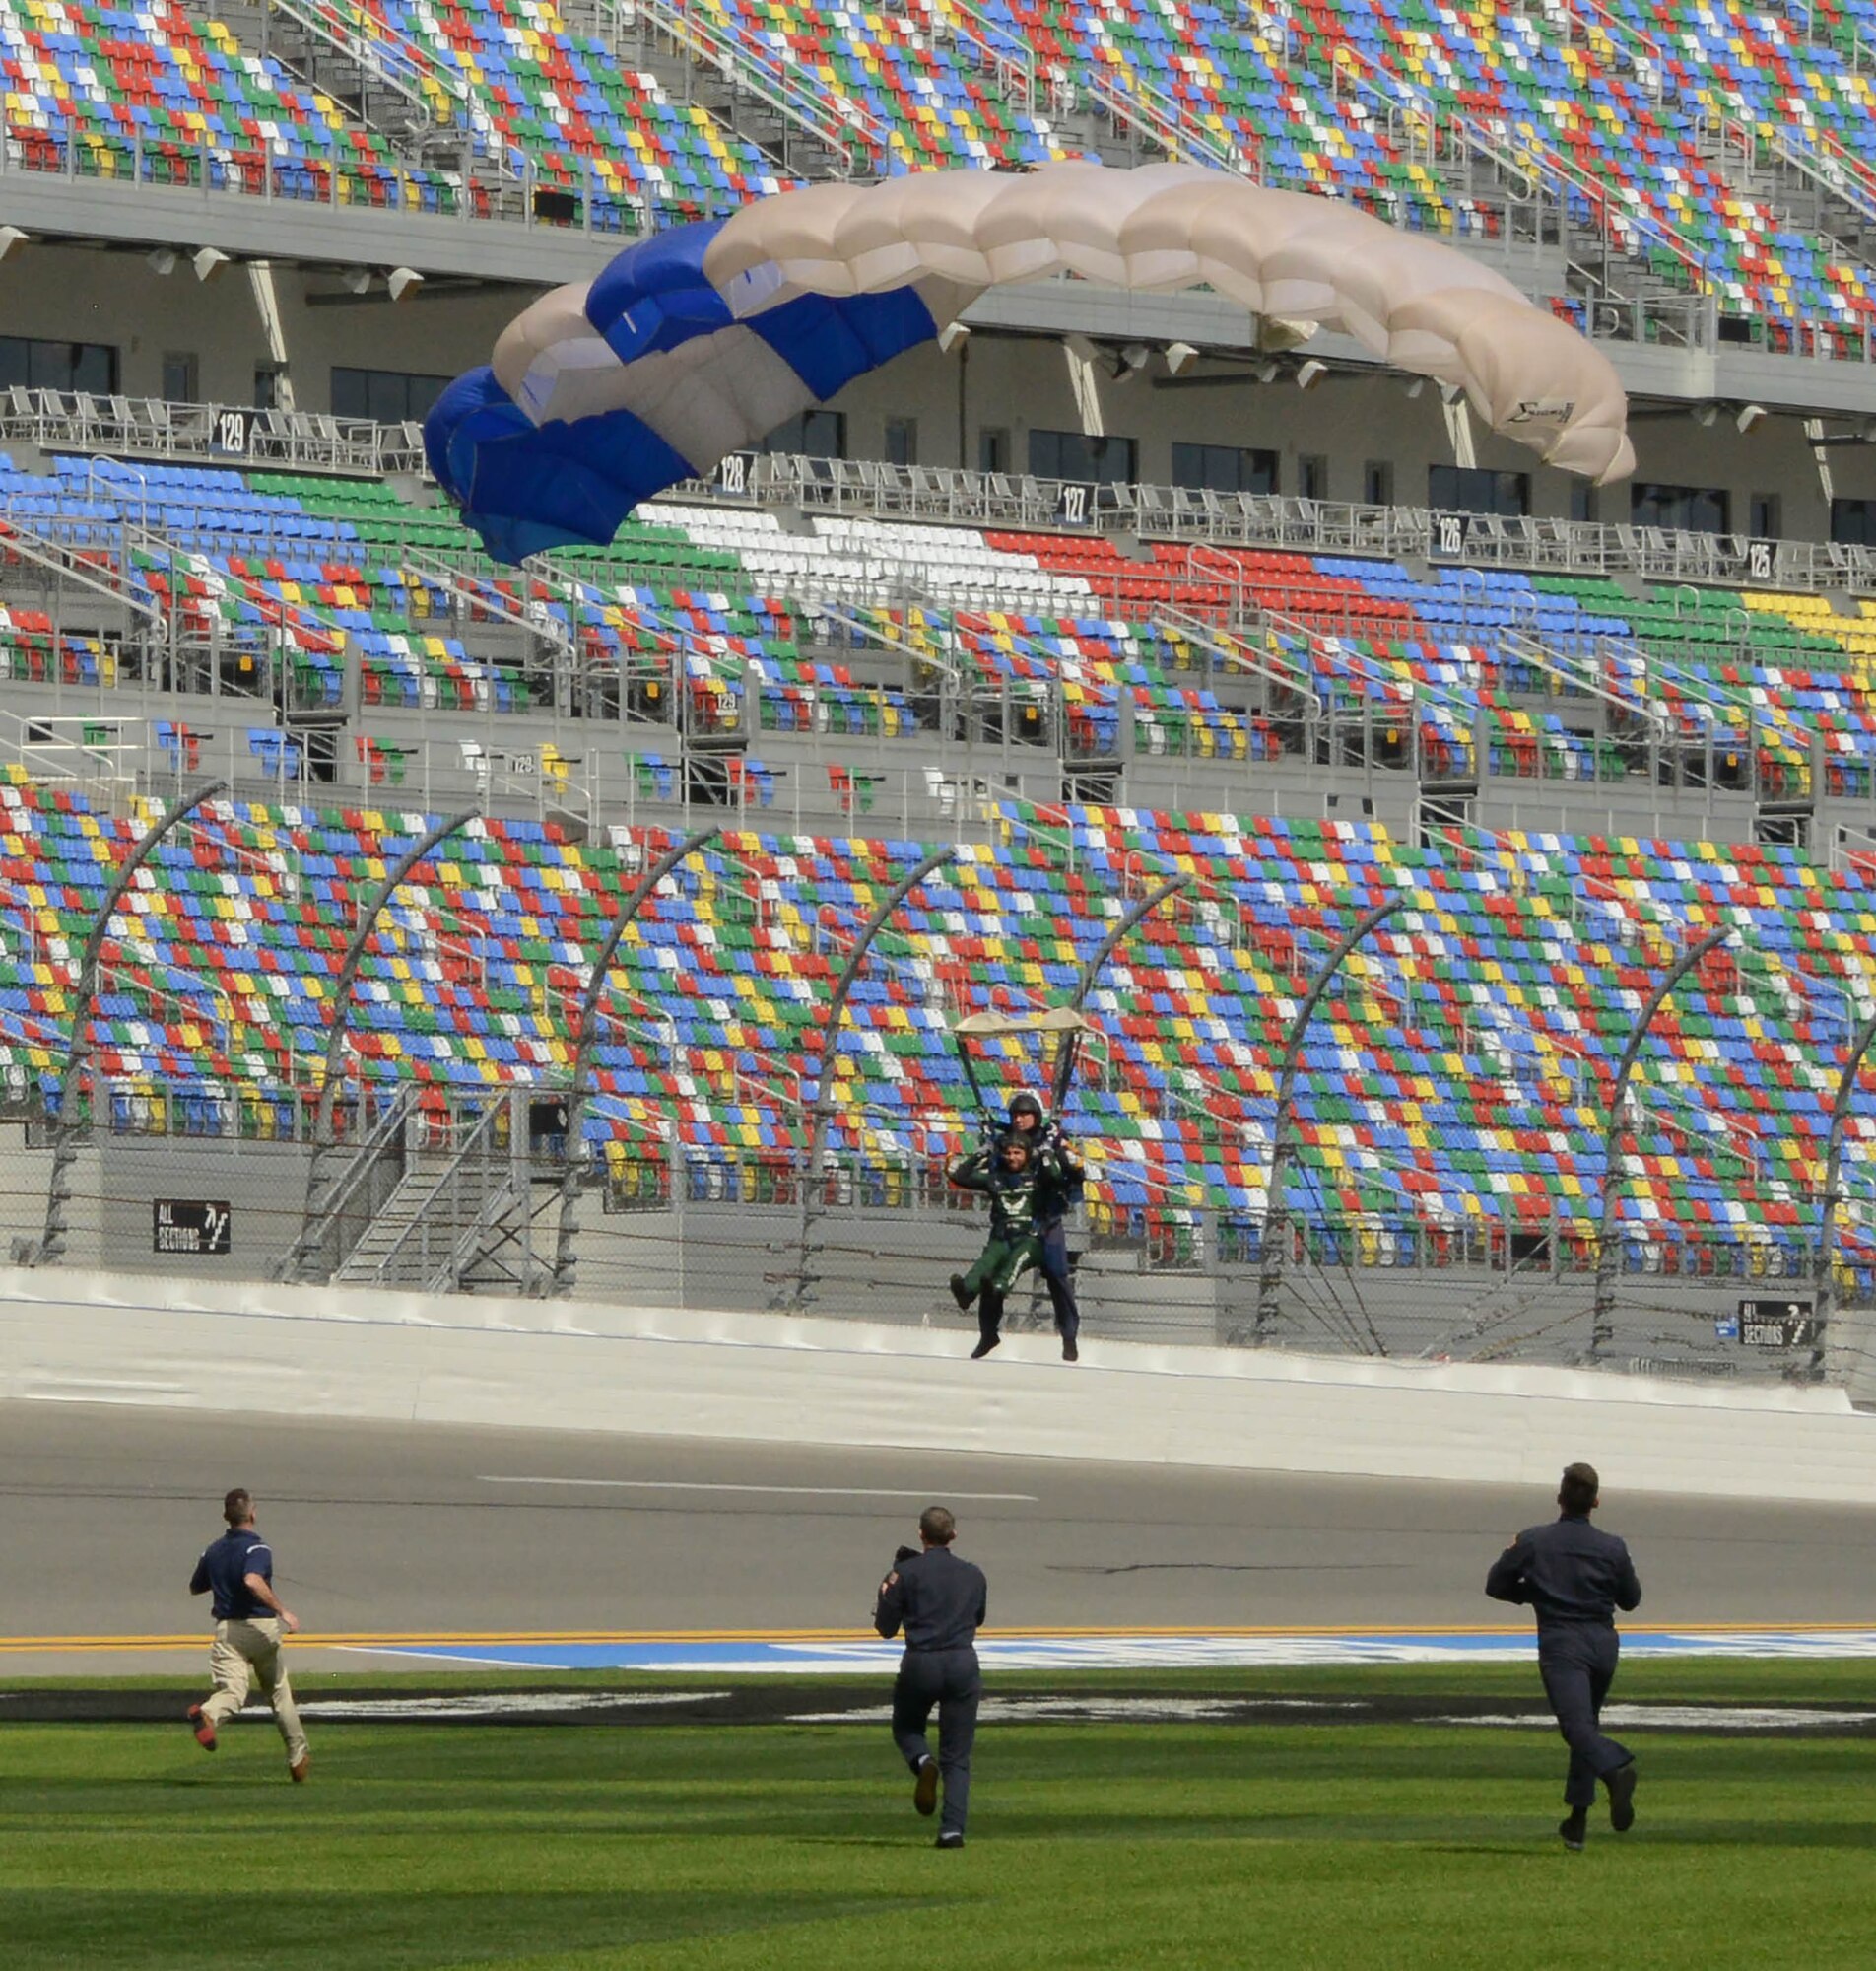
(939, 1601)
(1575, 1577)
(1056, 1195)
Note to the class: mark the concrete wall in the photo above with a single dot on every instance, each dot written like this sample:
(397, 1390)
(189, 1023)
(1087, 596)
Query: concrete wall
(303, 1351)
(264, 1186)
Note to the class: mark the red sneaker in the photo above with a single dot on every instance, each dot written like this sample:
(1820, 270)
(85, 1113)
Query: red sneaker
(203, 1731)
(299, 1769)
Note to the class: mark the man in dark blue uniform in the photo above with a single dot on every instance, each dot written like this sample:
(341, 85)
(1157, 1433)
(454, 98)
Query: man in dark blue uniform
(1575, 1577)
(939, 1601)
(249, 1622)
(1057, 1192)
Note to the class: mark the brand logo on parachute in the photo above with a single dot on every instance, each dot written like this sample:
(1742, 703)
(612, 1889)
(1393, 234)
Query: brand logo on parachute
(1543, 411)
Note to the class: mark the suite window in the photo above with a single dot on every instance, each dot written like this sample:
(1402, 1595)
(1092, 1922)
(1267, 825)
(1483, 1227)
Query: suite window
(180, 379)
(1474, 488)
(810, 435)
(1378, 482)
(1312, 475)
(37, 364)
(1853, 522)
(386, 396)
(1768, 517)
(994, 448)
(902, 440)
(1059, 454)
(1223, 468)
(1694, 510)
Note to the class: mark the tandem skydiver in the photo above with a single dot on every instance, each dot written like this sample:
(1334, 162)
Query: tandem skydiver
(1057, 1193)
(1031, 1178)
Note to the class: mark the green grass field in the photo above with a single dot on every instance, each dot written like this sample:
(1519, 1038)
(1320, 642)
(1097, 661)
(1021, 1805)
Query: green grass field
(741, 1846)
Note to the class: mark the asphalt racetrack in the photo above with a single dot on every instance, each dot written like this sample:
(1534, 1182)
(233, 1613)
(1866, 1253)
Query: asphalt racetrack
(419, 1531)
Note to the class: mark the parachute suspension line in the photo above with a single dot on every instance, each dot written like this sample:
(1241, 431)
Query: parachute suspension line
(977, 1089)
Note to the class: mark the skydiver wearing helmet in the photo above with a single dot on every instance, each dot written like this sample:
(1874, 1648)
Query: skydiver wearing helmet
(1009, 1176)
(1057, 1192)
(1031, 1178)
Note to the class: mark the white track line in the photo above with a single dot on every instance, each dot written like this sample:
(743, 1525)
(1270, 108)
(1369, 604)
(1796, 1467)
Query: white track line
(772, 1491)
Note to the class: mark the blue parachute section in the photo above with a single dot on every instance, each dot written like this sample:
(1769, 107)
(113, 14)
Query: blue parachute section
(525, 486)
(654, 330)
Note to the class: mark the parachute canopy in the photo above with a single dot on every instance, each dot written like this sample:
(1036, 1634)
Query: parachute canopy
(1057, 1020)
(701, 340)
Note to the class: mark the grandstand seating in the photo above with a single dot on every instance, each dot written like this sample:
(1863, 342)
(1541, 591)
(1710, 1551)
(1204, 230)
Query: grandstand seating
(1668, 113)
(159, 93)
(930, 94)
(1457, 1082)
(337, 573)
(1529, 77)
(563, 103)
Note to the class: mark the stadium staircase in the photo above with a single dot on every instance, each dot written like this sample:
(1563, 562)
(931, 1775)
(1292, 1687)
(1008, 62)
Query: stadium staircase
(456, 1220)
(385, 81)
(769, 103)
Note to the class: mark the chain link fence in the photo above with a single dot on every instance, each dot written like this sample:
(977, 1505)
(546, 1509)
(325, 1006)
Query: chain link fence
(216, 1186)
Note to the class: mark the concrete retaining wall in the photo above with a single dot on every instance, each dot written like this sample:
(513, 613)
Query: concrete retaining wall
(110, 1337)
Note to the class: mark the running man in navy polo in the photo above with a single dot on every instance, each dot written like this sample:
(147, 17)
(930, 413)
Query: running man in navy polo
(249, 1622)
(939, 1603)
(1575, 1576)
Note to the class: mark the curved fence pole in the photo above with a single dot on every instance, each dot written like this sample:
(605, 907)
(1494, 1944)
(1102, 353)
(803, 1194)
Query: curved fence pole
(300, 1264)
(1826, 1289)
(50, 1247)
(1092, 970)
(799, 1294)
(1276, 1227)
(1602, 1330)
(587, 1033)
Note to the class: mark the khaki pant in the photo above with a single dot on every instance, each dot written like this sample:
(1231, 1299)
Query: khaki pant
(241, 1647)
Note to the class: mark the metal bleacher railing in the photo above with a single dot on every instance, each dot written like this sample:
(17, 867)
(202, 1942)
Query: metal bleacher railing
(488, 193)
(150, 428)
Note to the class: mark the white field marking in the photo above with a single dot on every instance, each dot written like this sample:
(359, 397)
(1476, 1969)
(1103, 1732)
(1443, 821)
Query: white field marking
(1098, 1710)
(713, 1659)
(461, 1657)
(495, 1704)
(1680, 1717)
(776, 1492)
